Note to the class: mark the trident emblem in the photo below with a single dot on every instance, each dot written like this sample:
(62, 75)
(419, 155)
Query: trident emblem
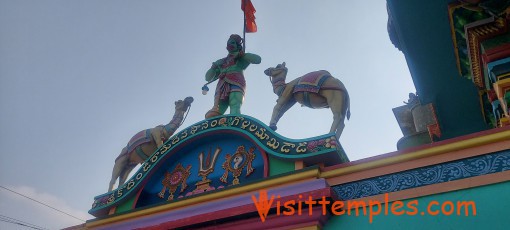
(206, 168)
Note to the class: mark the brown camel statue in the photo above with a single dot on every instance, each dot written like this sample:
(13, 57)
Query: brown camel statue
(315, 90)
(146, 142)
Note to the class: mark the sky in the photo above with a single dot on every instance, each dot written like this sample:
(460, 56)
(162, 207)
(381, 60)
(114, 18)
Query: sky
(79, 78)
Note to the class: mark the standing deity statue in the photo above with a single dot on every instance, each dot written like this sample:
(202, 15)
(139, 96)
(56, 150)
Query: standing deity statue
(229, 73)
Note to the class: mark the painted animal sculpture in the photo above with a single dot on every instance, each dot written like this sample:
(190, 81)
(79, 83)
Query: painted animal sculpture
(144, 143)
(315, 90)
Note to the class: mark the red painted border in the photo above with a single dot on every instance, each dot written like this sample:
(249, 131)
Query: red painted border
(278, 222)
(191, 220)
(496, 53)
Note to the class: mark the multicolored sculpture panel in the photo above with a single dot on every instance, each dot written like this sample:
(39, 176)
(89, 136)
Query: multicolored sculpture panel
(145, 142)
(229, 73)
(315, 90)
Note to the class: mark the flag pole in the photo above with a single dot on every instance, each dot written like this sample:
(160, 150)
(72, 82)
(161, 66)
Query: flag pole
(244, 28)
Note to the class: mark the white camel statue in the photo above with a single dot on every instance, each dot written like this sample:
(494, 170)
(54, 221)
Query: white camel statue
(145, 142)
(315, 90)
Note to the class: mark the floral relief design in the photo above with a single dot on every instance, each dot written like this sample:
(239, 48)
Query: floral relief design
(172, 180)
(237, 162)
(448, 171)
(323, 144)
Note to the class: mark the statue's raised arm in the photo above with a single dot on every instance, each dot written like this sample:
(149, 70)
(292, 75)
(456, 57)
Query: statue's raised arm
(229, 72)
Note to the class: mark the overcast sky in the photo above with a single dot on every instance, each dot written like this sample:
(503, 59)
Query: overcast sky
(79, 78)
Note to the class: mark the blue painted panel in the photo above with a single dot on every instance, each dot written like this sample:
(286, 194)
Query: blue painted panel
(189, 156)
(321, 149)
(434, 174)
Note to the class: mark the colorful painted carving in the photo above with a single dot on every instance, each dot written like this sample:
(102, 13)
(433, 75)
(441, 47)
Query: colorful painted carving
(206, 168)
(236, 163)
(172, 180)
(144, 143)
(315, 90)
(244, 127)
(480, 33)
(318, 145)
(229, 73)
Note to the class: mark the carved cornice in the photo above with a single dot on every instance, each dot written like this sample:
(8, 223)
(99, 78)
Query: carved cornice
(477, 33)
(418, 177)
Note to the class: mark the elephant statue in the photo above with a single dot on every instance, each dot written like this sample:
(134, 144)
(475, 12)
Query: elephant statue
(315, 90)
(146, 142)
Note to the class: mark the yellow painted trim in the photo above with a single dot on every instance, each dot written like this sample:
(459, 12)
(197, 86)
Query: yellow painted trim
(313, 227)
(480, 96)
(464, 144)
(502, 76)
(451, 9)
(309, 174)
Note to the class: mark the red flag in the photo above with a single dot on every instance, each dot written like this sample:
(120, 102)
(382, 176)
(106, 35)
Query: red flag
(249, 16)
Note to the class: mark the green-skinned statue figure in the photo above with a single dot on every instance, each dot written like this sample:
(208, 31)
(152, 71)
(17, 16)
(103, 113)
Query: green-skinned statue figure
(229, 72)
